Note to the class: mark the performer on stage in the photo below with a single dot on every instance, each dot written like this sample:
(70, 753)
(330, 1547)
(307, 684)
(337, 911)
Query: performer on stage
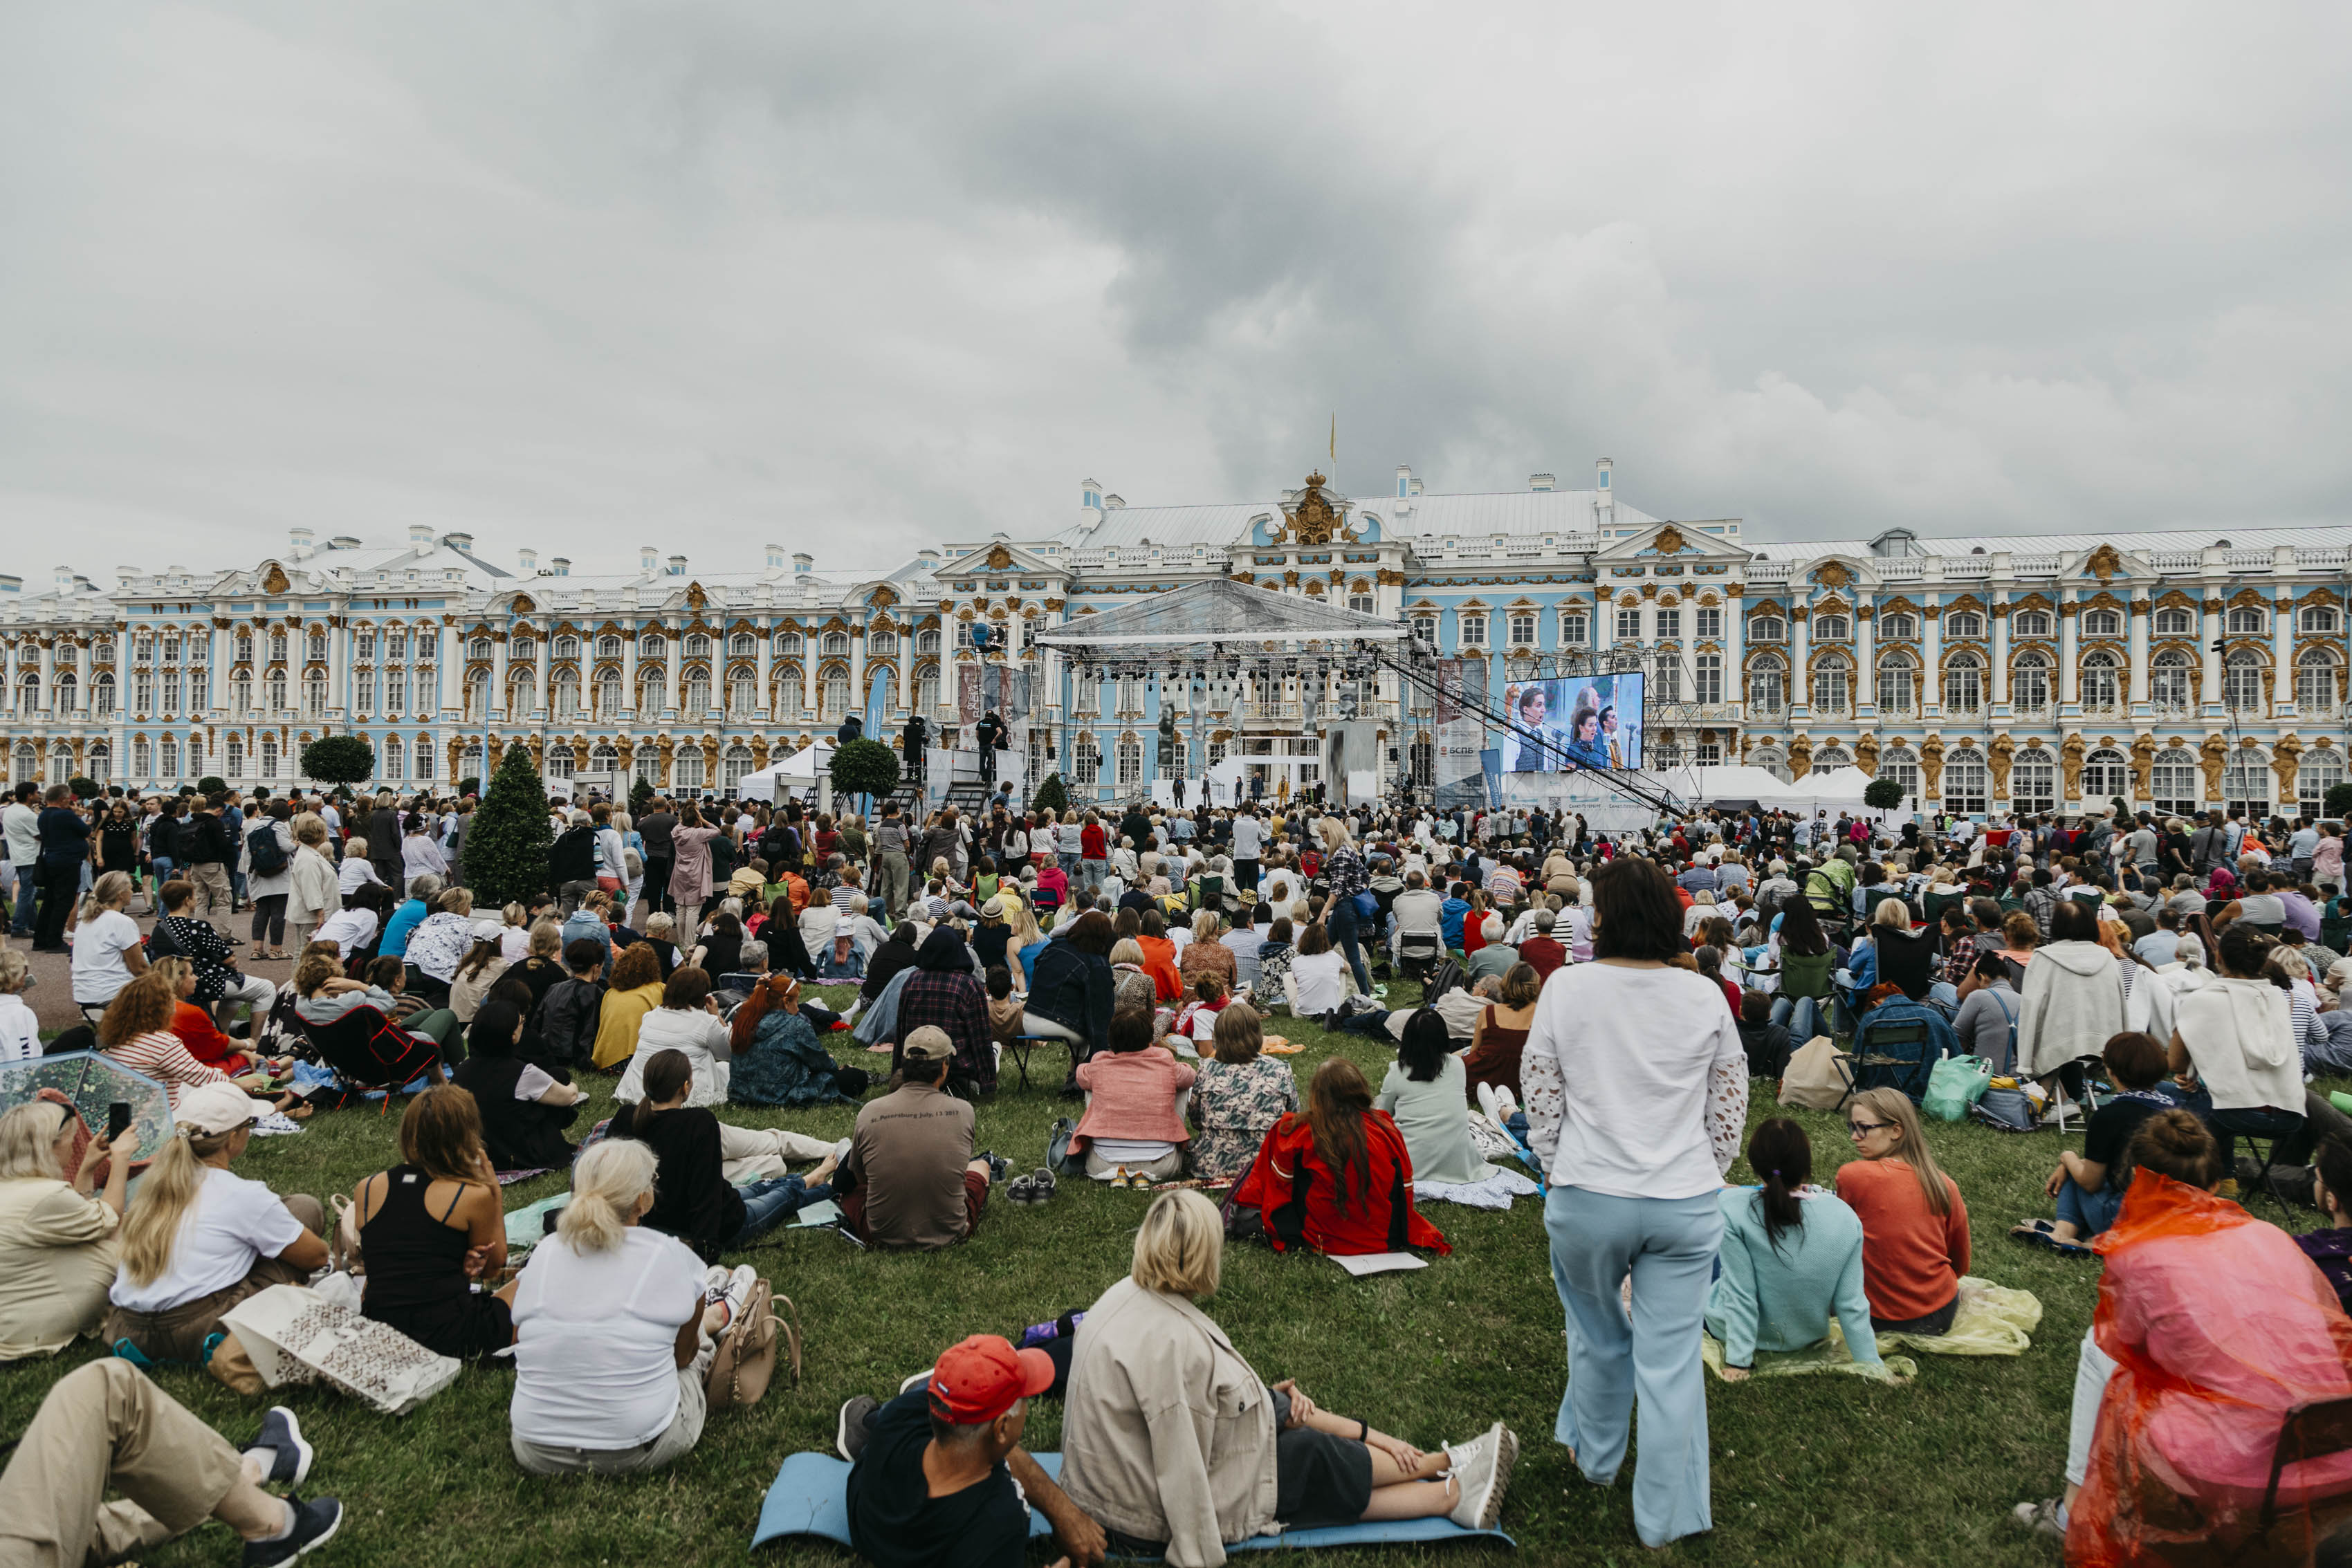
(913, 739)
(990, 735)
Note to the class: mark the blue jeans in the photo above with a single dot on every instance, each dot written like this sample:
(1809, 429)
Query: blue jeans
(1343, 924)
(2260, 1122)
(1808, 1009)
(1669, 1246)
(767, 1204)
(2088, 1212)
(1069, 864)
(29, 887)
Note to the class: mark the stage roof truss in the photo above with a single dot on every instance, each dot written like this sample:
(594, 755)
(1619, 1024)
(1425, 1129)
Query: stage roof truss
(1219, 611)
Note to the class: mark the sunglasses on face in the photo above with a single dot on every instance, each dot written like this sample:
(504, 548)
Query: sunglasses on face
(1864, 1129)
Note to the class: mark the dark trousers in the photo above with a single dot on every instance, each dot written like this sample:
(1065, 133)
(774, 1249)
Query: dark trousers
(657, 898)
(60, 885)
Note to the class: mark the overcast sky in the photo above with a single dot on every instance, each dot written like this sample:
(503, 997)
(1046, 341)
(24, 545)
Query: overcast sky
(853, 279)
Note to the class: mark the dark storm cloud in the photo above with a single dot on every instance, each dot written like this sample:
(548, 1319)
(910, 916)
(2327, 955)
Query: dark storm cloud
(860, 279)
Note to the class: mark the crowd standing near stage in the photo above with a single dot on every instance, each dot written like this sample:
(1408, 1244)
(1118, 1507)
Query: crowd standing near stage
(1595, 1008)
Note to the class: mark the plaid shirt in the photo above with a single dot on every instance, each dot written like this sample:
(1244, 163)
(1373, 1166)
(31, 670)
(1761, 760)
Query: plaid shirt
(1961, 959)
(1345, 867)
(955, 1003)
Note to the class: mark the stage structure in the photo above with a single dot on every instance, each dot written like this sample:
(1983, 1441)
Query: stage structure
(1221, 645)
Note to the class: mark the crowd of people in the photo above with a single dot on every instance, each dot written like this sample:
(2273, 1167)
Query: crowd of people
(1600, 1006)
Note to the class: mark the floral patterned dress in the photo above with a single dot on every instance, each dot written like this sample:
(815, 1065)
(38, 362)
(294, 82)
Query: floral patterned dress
(1235, 1106)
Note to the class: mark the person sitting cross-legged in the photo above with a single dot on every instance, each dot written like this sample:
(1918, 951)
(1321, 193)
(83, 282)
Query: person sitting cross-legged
(1792, 1259)
(938, 1475)
(909, 1181)
(105, 1427)
(2090, 1187)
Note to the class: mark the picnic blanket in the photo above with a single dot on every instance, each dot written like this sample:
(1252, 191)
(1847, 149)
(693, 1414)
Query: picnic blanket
(810, 1496)
(1993, 1319)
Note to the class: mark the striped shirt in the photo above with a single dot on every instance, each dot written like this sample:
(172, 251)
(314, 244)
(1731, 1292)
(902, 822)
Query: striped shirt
(161, 1055)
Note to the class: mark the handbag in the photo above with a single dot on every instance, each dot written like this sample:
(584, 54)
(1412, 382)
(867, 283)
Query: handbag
(1058, 1157)
(2009, 1110)
(1954, 1084)
(292, 1335)
(1819, 1076)
(746, 1359)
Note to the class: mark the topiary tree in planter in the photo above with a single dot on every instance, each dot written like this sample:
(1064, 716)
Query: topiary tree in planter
(470, 785)
(505, 850)
(1883, 794)
(1051, 796)
(2123, 808)
(865, 768)
(341, 759)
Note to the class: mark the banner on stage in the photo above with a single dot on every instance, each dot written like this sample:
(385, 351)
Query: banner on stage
(968, 693)
(1461, 736)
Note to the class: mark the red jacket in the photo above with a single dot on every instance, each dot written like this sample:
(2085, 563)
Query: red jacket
(1298, 1194)
(1091, 845)
(1543, 955)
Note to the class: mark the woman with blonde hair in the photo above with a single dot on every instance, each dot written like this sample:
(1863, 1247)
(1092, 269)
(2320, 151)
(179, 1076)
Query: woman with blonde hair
(312, 892)
(1182, 1486)
(1206, 954)
(514, 937)
(1914, 1228)
(198, 1239)
(58, 1246)
(615, 1325)
(108, 953)
(484, 963)
(636, 990)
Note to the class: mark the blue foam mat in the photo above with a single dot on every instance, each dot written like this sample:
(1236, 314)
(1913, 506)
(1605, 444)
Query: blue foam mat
(810, 1496)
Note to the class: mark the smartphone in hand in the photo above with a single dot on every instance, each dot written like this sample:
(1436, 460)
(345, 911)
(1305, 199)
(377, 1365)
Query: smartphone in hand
(118, 1120)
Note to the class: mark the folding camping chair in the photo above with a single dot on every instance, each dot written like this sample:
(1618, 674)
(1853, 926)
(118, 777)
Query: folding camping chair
(2311, 1431)
(1892, 1056)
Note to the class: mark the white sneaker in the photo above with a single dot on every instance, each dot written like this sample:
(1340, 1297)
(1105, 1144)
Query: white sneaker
(1506, 1103)
(1482, 1469)
(739, 1285)
(715, 1281)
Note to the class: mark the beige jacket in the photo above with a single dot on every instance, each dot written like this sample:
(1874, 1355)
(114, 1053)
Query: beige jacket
(1167, 1434)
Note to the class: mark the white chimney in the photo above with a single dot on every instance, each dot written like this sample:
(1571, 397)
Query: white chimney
(1604, 500)
(530, 560)
(561, 566)
(803, 563)
(678, 566)
(420, 536)
(65, 579)
(1543, 482)
(299, 540)
(458, 542)
(775, 556)
(1404, 479)
(648, 559)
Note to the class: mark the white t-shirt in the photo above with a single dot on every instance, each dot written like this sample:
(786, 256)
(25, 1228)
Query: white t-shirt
(350, 929)
(99, 971)
(24, 828)
(233, 1225)
(1320, 979)
(597, 1340)
(1634, 1052)
(1248, 838)
(20, 1031)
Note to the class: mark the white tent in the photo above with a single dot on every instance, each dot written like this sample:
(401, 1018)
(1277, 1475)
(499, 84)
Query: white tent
(1736, 781)
(793, 774)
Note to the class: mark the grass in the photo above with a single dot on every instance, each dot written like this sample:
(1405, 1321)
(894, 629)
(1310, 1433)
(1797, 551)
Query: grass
(1826, 1472)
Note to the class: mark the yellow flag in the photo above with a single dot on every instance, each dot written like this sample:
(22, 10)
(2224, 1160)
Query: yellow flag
(1335, 440)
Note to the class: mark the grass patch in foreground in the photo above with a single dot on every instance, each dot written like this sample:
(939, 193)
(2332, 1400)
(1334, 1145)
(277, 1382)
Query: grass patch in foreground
(1825, 1471)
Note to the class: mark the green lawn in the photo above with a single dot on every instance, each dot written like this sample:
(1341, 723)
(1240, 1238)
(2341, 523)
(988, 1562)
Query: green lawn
(1813, 1471)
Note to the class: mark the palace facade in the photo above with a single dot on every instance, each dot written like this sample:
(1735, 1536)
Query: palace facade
(2182, 670)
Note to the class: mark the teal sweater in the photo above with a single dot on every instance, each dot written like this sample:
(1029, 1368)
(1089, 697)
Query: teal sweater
(1769, 1300)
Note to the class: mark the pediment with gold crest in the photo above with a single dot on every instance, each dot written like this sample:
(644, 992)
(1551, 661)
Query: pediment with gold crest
(999, 558)
(1671, 539)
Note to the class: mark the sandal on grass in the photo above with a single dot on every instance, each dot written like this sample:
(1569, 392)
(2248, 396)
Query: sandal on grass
(2030, 1229)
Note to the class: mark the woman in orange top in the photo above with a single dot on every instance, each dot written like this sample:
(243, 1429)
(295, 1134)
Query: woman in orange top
(1159, 956)
(1914, 1228)
(1337, 1179)
(195, 1027)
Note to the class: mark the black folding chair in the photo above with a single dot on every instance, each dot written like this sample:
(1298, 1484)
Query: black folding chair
(2267, 1147)
(1894, 1056)
(2311, 1431)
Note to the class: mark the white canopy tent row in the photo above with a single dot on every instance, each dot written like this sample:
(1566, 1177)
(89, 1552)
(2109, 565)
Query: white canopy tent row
(789, 778)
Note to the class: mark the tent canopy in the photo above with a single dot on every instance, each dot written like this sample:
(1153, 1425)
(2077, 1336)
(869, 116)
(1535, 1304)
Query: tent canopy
(797, 772)
(1219, 610)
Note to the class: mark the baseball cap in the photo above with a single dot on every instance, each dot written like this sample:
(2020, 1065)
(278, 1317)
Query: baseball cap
(211, 1109)
(487, 930)
(929, 1043)
(984, 1376)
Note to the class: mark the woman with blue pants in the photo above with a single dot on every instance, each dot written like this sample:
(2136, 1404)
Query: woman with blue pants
(1637, 1095)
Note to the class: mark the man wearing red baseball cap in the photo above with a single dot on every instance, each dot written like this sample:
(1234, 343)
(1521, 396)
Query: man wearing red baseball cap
(938, 1476)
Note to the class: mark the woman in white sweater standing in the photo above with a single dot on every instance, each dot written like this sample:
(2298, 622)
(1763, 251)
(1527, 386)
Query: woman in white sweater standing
(1636, 1093)
(311, 894)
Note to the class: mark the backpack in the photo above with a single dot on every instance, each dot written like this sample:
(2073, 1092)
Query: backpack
(265, 854)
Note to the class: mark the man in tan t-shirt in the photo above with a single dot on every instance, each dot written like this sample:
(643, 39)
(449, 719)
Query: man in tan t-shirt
(911, 1178)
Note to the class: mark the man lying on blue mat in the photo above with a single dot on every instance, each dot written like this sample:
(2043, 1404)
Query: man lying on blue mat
(933, 1473)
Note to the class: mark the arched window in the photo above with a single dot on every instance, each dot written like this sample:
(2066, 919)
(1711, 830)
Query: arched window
(653, 695)
(743, 645)
(1085, 758)
(1770, 759)
(277, 694)
(268, 755)
(1831, 756)
(477, 694)
(1901, 764)
(2102, 693)
(2172, 783)
(698, 692)
(2174, 621)
(1898, 627)
(2106, 775)
(927, 688)
(28, 693)
(2167, 682)
(317, 645)
(927, 641)
(733, 764)
(836, 692)
(66, 691)
(2103, 623)
(2315, 775)
(688, 767)
(1768, 629)
(1832, 685)
(1964, 781)
(27, 767)
(102, 693)
(604, 757)
(881, 644)
(395, 767)
(834, 642)
(1963, 623)
(2031, 624)
(1130, 762)
(650, 646)
(608, 647)
(608, 694)
(743, 694)
(2247, 621)
(2246, 782)
(788, 642)
(567, 647)
(567, 696)
(276, 645)
(2029, 686)
(2319, 618)
(698, 646)
(101, 762)
(1964, 684)
(2033, 781)
(559, 761)
(1897, 683)
(2316, 689)
(1831, 629)
(479, 648)
(2242, 682)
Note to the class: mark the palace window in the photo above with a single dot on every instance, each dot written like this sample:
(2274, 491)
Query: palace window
(1767, 686)
(734, 765)
(1898, 763)
(1362, 603)
(567, 647)
(788, 643)
(1670, 623)
(1831, 629)
(2315, 683)
(927, 641)
(882, 645)
(1832, 685)
(1964, 781)
(743, 645)
(2106, 775)
(834, 642)
(2030, 684)
(1706, 623)
(2100, 690)
(1964, 684)
(1085, 758)
(1523, 627)
(1768, 629)
(2101, 624)
(2167, 682)
(1575, 628)
(698, 646)
(2242, 682)
(1474, 630)
(2319, 772)
(2246, 621)
(2319, 618)
(1897, 683)
(1130, 762)
(363, 645)
(2172, 784)
(2033, 781)
(1706, 678)
(2246, 783)
(1629, 624)
(687, 767)
(1963, 623)
(395, 758)
(2031, 624)
(1898, 627)
(2174, 622)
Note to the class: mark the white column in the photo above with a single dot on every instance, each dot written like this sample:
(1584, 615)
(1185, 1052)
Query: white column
(629, 672)
(808, 671)
(672, 667)
(2070, 678)
(337, 668)
(1931, 678)
(2000, 649)
(857, 669)
(1734, 645)
(48, 668)
(2212, 623)
(2137, 630)
(496, 704)
(1866, 655)
(1800, 648)
(2283, 658)
(907, 671)
(1605, 621)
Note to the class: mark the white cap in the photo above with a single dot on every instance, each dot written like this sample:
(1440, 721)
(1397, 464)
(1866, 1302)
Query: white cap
(211, 1109)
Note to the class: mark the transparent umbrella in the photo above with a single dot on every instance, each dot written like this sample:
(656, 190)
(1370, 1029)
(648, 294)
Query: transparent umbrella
(89, 1083)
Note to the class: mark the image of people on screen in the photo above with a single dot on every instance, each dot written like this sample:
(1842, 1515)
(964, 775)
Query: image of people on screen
(1536, 747)
(1585, 747)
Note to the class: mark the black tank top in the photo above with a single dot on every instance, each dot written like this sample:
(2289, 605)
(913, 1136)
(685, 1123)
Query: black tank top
(413, 1259)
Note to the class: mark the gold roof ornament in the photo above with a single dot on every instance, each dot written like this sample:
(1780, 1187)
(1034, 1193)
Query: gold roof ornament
(1315, 521)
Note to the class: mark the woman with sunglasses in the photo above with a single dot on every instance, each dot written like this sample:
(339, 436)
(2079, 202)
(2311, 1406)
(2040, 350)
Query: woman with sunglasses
(1914, 1228)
